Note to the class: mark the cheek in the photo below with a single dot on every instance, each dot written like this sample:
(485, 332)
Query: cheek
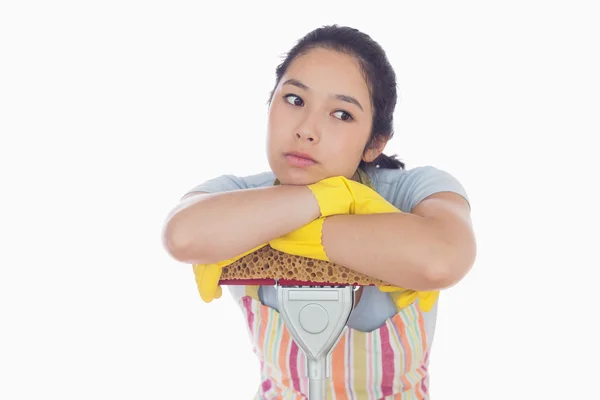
(351, 143)
(272, 127)
(277, 120)
(348, 153)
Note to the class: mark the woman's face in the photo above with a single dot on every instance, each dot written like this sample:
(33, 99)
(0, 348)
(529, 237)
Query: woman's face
(320, 119)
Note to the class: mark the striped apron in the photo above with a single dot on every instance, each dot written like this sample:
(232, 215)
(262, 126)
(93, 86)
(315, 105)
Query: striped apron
(387, 363)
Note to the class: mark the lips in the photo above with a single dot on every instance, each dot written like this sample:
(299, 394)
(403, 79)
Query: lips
(301, 160)
(301, 155)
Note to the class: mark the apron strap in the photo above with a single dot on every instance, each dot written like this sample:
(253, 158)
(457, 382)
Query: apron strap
(252, 291)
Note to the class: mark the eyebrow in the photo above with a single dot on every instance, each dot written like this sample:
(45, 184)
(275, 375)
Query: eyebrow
(342, 97)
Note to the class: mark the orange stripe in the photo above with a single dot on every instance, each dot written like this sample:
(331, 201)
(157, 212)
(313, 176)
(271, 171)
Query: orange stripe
(422, 330)
(407, 350)
(338, 368)
(421, 322)
(264, 318)
(420, 371)
(283, 358)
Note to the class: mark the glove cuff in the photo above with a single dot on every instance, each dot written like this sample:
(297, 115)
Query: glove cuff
(333, 196)
(308, 243)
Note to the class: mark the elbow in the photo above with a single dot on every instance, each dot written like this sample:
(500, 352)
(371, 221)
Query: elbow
(175, 241)
(439, 277)
(183, 245)
(450, 270)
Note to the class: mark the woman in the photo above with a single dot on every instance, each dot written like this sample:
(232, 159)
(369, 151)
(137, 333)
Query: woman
(331, 115)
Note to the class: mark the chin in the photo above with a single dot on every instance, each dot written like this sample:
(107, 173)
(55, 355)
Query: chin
(295, 181)
(296, 177)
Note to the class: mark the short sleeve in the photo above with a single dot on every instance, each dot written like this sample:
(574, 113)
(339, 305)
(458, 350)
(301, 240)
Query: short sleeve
(421, 182)
(227, 183)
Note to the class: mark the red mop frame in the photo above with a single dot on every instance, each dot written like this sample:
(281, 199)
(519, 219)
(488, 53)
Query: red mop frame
(284, 282)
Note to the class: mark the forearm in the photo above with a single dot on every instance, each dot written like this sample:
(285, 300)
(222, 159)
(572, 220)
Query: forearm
(402, 249)
(205, 229)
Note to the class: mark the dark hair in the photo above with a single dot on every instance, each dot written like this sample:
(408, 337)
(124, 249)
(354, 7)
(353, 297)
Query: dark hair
(378, 73)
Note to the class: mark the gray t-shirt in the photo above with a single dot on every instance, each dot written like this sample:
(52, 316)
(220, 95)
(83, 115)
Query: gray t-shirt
(403, 188)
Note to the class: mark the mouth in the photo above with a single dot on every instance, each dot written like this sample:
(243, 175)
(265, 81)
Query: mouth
(299, 159)
(300, 155)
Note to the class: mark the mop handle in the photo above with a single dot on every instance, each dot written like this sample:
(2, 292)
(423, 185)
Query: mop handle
(316, 318)
(317, 389)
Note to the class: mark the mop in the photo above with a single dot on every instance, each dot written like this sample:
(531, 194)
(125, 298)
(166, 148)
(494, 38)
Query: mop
(315, 314)
(315, 299)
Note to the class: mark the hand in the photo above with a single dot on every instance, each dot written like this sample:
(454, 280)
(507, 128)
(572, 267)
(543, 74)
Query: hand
(305, 241)
(339, 195)
(333, 195)
(352, 198)
(368, 201)
(208, 276)
(404, 297)
(207, 280)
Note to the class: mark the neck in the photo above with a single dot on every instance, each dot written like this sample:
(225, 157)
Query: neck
(356, 177)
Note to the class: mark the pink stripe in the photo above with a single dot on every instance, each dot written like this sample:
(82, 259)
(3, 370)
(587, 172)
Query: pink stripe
(425, 380)
(294, 367)
(387, 380)
(247, 301)
(424, 384)
(266, 386)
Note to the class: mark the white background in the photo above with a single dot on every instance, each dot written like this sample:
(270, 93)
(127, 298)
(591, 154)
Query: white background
(110, 111)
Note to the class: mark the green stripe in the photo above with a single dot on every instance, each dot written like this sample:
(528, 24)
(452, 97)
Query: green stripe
(411, 333)
(378, 360)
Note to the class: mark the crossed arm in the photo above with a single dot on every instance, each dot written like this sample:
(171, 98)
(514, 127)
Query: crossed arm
(431, 248)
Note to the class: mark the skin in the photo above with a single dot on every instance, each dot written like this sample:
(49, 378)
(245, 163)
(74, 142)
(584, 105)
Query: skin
(307, 115)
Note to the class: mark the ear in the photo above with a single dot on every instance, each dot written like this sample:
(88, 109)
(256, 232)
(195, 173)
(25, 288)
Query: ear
(373, 151)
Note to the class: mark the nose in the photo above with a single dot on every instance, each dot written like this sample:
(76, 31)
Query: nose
(305, 136)
(308, 130)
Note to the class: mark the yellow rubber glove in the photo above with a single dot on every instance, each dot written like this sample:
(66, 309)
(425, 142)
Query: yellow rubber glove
(333, 196)
(336, 195)
(368, 201)
(339, 195)
(305, 241)
(208, 276)
(405, 297)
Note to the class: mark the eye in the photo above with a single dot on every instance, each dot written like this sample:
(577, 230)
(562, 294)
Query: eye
(345, 116)
(294, 100)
